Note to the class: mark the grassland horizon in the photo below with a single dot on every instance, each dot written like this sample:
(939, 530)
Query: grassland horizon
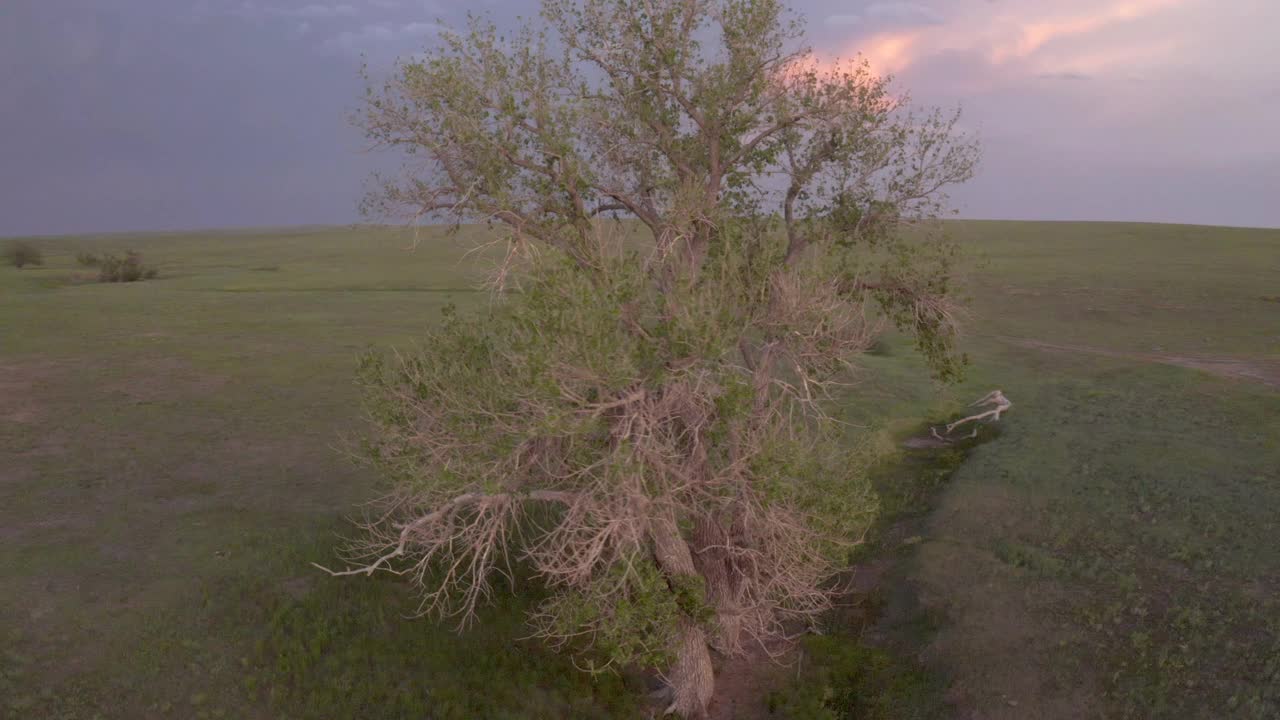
(356, 225)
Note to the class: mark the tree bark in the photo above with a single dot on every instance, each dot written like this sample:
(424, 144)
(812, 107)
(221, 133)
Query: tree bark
(691, 676)
(711, 558)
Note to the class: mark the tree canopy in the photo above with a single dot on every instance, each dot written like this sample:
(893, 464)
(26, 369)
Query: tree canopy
(706, 227)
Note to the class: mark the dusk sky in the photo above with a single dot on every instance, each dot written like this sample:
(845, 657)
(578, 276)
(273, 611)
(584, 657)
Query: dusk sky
(171, 114)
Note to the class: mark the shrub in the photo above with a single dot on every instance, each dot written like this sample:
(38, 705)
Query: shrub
(21, 253)
(88, 259)
(126, 269)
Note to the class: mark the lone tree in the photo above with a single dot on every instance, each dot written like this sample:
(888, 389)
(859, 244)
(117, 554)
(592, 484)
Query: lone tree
(706, 227)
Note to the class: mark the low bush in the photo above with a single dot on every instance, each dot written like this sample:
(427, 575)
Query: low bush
(21, 253)
(88, 259)
(125, 269)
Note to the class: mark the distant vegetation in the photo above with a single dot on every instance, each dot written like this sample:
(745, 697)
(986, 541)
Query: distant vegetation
(21, 253)
(112, 268)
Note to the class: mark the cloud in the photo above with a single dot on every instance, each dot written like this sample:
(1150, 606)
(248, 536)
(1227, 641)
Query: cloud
(1088, 61)
(316, 11)
(1028, 37)
(1035, 35)
(250, 10)
(898, 13)
(382, 37)
(908, 13)
(1073, 76)
(842, 20)
(890, 52)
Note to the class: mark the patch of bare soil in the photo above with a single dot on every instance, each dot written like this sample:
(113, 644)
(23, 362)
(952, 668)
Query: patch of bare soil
(165, 378)
(1257, 370)
(26, 427)
(20, 389)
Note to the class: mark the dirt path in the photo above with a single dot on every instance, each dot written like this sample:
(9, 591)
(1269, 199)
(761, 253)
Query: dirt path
(1266, 372)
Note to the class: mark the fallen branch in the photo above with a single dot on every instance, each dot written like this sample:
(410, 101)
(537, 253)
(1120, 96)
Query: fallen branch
(995, 399)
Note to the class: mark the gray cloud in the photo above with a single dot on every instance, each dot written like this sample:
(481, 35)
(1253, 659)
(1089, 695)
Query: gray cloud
(250, 10)
(842, 20)
(891, 13)
(316, 11)
(906, 13)
(131, 118)
(383, 38)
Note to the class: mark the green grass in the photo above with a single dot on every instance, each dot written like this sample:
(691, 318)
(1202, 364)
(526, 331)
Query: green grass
(1139, 504)
(1113, 553)
(170, 464)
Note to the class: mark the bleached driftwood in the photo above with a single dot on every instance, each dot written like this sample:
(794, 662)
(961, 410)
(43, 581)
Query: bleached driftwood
(998, 404)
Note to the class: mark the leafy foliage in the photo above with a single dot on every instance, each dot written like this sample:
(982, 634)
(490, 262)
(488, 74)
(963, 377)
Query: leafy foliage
(659, 403)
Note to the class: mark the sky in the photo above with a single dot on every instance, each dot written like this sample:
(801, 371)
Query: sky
(122, 115)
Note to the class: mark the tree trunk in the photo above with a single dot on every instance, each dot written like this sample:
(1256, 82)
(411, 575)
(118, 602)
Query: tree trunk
(712, 561)
(691, 676)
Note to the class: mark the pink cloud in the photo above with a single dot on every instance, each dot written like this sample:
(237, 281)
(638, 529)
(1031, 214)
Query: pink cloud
(1025, 35)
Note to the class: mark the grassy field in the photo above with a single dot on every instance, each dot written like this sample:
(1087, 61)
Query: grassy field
(1114, 553)
(171, 462)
